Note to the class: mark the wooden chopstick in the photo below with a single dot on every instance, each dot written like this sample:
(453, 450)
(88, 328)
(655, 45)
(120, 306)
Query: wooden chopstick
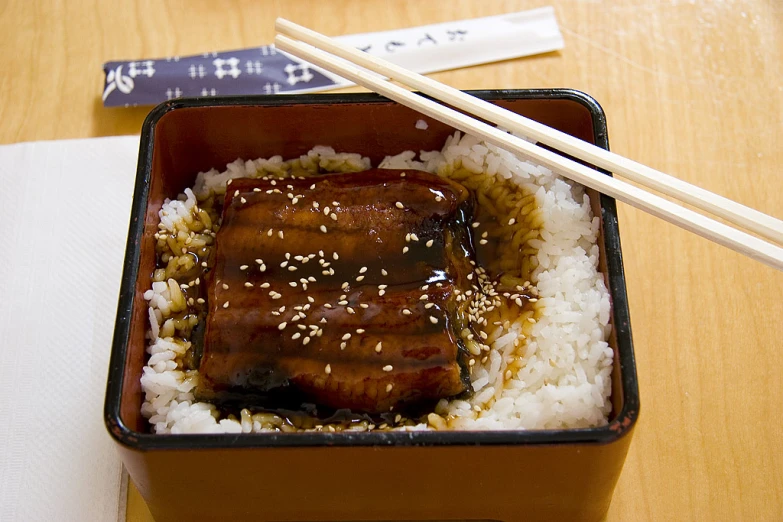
(731, 211)
(692, 221)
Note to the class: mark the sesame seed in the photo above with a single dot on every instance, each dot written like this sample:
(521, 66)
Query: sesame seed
(350, 310)
(512, 221)
(297, 335)
(384, 272)
(320, 253)
(280, 234)
(335, 203)
(262, 268)
(470, 276)
(531, 320)
(359, 279)
(236, 193)
(405, 311)
(362, 269)
(484, 234)
(399, 205)
(243, 267)
(295, 201)
(335, 256)
(388, 389)
(323, 228)
(388, 368)
(312, 187)
(260, 261)
(482, 242)
(342, 302)
(242, 200)
(301, 327)
(345, 285)
(327, 305)
(326, 211)
(284, 264)
(343, 345)
(381, 292)
(414, 237)
(433, 319)
(248, 284)
(264, 285)
(429, 243)
(408, 237)
(438, 198)
(405, 250)
(225, 305)
(282, 325)
(225, 286)
(328, 369)
(429, 305)
(292, 268)
(346, 337)
(379, 347)
(333, 216)
(402, 175)
(424, 297)
(270, 232)
(200, 301)
(475, 224)
(382, 287)
(360, 330)
(364, 305)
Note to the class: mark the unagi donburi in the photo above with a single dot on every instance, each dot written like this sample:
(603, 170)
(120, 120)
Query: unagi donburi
(453, 289)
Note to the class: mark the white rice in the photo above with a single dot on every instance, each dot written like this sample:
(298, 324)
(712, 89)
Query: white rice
(562, 376)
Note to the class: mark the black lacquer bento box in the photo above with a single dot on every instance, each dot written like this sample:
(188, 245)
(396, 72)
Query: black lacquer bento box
(439, 475)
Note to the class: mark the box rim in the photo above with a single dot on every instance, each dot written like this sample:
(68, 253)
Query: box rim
(619, 427)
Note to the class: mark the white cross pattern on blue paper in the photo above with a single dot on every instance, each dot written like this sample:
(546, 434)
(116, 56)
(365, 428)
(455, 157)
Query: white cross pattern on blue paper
(194, 71)
(232, 71)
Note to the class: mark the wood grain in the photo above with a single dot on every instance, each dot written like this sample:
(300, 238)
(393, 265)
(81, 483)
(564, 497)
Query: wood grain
(690, 88)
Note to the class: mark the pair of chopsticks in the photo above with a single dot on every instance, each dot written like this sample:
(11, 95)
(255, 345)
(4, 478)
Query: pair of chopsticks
(377, 74)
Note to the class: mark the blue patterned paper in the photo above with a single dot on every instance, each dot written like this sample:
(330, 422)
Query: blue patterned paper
(264, 70)
(259, 70)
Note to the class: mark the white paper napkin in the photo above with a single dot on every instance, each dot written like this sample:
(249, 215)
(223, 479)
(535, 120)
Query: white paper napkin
(64, 213)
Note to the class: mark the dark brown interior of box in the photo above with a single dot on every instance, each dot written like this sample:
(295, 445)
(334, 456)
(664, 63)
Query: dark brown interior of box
(190, 140)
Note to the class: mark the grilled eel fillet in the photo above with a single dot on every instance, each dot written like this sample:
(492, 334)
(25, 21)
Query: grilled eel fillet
(339, 290)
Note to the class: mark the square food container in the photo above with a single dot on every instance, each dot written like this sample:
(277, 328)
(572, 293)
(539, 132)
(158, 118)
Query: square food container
(567, 474)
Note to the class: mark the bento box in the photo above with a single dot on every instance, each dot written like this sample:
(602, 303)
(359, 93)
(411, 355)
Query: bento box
(508, 475)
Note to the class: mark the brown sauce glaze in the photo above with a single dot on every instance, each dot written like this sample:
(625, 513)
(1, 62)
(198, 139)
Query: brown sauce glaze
(339, 290)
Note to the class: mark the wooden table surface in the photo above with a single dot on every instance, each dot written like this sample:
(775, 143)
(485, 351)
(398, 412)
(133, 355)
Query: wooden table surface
(693, 88)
